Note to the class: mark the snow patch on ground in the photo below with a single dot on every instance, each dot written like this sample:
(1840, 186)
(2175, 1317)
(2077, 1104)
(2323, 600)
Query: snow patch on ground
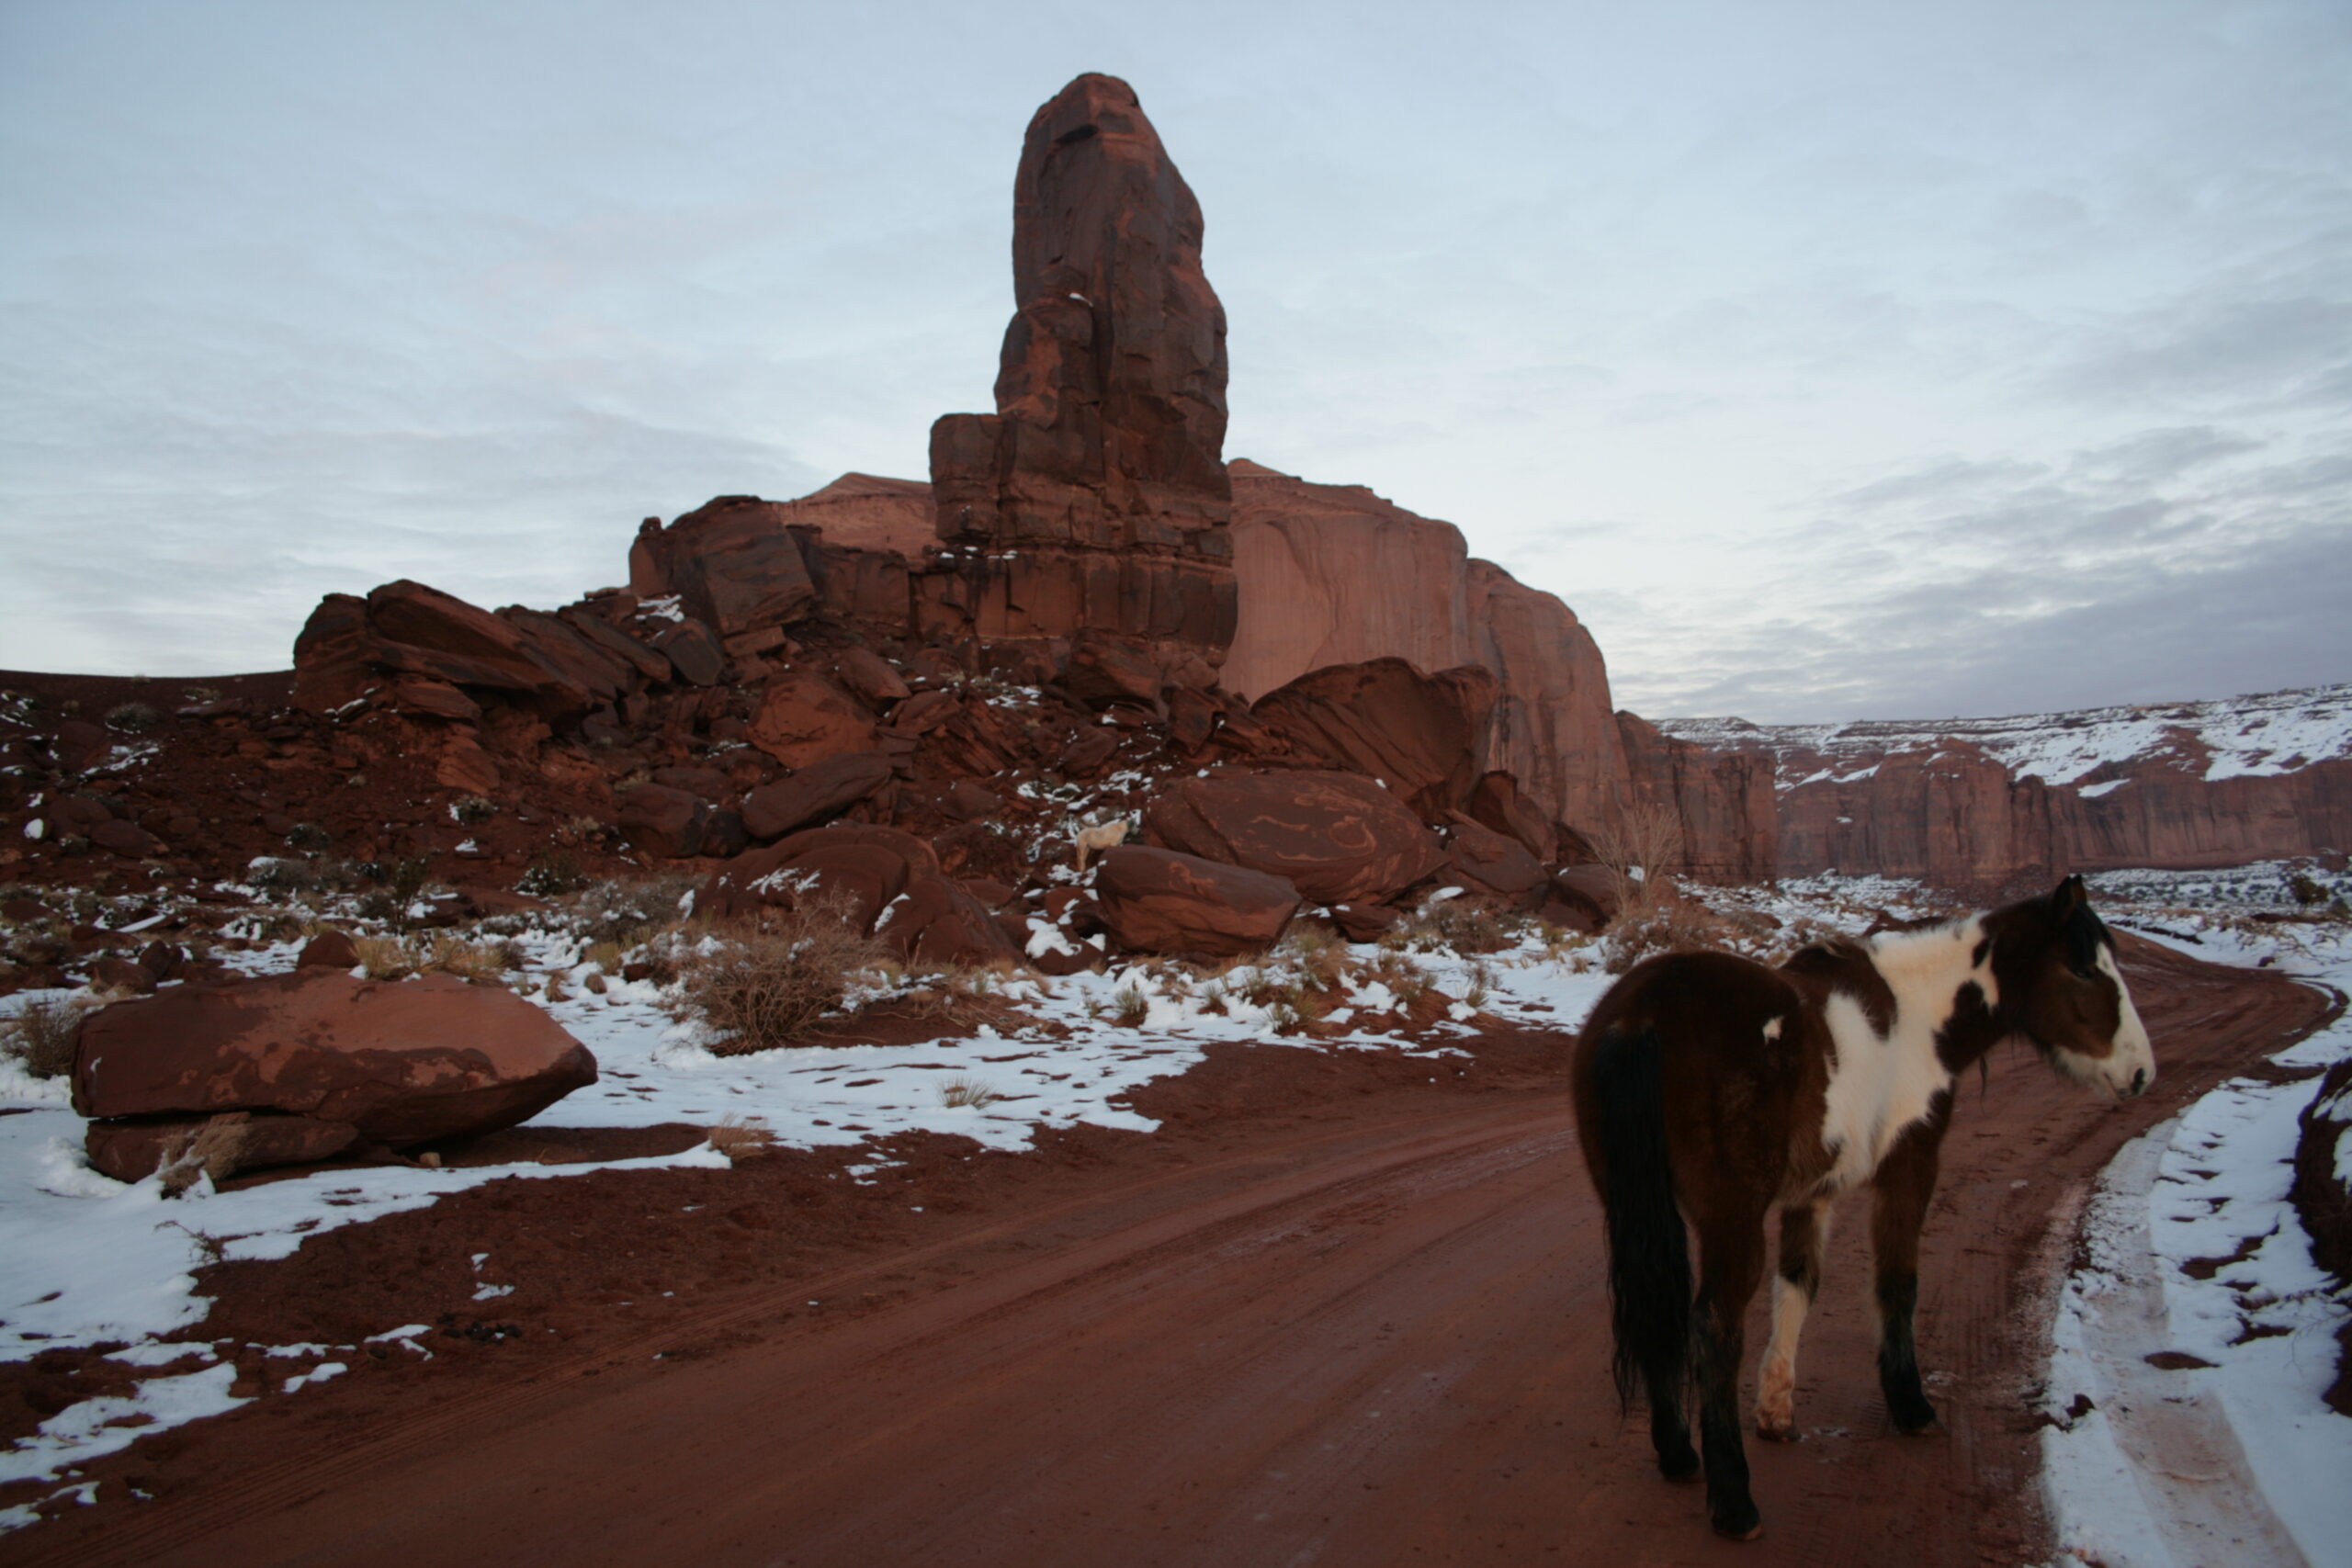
(2222, 1449)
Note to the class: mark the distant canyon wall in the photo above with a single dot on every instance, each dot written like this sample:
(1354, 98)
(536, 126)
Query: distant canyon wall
(1972, 802)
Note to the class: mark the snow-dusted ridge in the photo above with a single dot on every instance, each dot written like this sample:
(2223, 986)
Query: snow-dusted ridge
(2268, 732)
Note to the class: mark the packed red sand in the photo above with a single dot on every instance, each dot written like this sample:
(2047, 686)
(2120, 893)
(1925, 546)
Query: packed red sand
(1331, 1313)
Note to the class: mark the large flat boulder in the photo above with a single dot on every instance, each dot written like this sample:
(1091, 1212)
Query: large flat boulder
(1339, 838)
(402, 1062)
(1162, 901)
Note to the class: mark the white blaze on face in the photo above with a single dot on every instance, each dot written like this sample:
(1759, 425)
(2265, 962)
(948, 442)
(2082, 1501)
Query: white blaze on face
(2130, 1063)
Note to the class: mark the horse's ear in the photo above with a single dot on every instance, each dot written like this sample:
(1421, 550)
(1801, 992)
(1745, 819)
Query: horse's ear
(2070, 895)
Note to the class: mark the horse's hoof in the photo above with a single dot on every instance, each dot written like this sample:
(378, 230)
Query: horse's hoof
(1743, 1523)
(1777, 1434)
(1912, 1420)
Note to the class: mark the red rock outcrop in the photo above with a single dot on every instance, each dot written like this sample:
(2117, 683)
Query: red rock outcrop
(1730, 826)
(1426, 737)
(401, 1062)
(888, 882)
(1339, 838)
(1096, 494)
(1333, 574)
(1163, 901)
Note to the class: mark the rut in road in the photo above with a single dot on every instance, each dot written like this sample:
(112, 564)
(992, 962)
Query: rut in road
(1374, 1343)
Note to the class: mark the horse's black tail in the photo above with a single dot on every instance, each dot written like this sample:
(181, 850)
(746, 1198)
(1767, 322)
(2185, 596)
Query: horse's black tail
(1649, 1255)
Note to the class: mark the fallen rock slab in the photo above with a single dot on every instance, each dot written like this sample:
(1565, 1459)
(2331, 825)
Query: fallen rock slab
(402, 1062)
(1339, 838)
(1162, 902)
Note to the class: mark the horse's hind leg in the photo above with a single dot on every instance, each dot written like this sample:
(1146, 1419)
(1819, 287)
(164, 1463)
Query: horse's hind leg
(1732, 1262)
(1669, 1432)
(1904, 1182)
(1804, 1232)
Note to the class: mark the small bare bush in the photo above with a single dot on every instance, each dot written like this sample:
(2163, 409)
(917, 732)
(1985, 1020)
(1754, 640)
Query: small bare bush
(1129, 1006)
(1459, 925)
(1640, 854)
(40, 1036)
(763, 988)
(741, 1138)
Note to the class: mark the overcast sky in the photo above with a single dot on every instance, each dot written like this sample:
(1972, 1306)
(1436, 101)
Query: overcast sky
(1830, 360)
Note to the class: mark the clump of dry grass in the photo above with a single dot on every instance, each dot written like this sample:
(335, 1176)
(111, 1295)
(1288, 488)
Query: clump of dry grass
(482, 962)
(40, 1036)
(958, 1093)
(214, 1149)
(764, 988)
(741, 1138)
(384, 957)
(606, 956)
(1129, 1006)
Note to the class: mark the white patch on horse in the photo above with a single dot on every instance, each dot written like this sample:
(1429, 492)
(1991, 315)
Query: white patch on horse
(2130, 1065)
(1772, 1028)
(1882, 1085)
(1776, 1379)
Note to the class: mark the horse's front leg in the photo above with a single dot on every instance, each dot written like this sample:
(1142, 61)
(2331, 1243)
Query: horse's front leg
(1732, 1262)
(1904, 1182)
(1805, 1233)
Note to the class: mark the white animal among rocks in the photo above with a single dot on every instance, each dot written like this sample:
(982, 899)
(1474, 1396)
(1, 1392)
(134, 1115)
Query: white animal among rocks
(1102, 836)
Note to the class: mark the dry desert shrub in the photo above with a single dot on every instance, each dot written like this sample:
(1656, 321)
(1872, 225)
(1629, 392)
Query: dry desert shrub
(213, 1150)
(1460, 925)
(1683, 926)
(759, 988)
(741, 1138)
(1642, 852)
(1129, 1006)
(40, 1036)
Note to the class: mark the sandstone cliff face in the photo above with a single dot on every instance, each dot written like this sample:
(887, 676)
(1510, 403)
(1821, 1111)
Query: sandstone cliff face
(1980, 801)
(1095, 496)
(1333, 574)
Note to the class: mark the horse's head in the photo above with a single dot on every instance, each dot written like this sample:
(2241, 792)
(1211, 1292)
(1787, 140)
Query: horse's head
(2060, 989)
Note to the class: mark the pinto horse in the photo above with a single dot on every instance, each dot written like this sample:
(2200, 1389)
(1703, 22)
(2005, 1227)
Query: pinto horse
(1709, 1088)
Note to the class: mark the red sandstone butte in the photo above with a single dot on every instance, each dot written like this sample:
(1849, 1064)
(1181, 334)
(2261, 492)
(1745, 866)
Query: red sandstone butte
(1096, 494)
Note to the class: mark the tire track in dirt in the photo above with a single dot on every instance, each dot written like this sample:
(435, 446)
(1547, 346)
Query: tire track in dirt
(1383, 1341)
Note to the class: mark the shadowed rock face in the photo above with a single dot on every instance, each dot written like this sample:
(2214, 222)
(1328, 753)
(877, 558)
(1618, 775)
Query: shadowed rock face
(1103, 467)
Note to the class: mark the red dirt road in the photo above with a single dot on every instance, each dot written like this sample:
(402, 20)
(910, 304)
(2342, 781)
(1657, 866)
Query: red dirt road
(1372, 1334)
